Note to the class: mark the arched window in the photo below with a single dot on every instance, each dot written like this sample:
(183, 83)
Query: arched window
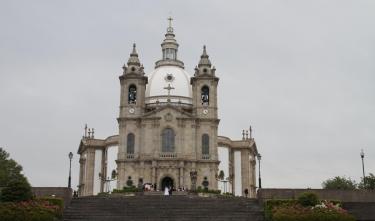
(205, 144)
(130, 143)
(132, 94)
(168, 140)
(205, 95)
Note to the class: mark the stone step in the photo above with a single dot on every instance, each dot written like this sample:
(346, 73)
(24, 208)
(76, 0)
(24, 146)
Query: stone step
(159, 207)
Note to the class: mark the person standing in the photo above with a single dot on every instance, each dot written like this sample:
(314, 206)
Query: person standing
(166, 191)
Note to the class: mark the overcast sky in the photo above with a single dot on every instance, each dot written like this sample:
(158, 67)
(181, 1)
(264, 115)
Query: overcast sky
(302, 73)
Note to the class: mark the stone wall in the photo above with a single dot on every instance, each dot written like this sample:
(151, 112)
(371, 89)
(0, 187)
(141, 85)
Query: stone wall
(342, 195)
(60, 192)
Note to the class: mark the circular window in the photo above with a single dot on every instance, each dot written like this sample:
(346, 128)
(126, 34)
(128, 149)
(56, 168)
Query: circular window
(133, 68)
(169, 78)
(205, 70)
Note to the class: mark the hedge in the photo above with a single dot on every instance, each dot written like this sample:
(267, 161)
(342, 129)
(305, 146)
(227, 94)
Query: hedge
(127, 189)
(307, 208)
(33, 210)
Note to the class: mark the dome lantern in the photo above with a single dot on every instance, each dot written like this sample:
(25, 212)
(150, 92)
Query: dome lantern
(169, 49)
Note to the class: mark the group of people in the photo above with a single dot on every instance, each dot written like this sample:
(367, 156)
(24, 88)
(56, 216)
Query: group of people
(149, 187)
(168, 190)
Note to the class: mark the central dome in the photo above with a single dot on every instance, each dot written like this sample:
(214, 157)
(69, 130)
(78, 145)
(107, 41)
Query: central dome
(168, 82)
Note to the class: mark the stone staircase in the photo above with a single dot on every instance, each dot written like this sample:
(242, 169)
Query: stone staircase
(155, 208)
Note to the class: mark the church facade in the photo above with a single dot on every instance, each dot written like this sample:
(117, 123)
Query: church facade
(168, 133)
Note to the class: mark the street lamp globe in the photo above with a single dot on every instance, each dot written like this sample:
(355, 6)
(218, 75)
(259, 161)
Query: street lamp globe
(362, 153)
(259, 156)
(70, 155)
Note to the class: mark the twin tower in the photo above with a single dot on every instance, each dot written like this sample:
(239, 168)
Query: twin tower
(168, 132)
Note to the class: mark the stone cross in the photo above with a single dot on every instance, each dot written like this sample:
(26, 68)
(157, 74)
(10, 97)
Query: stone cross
(85, 130)
(169, 88)
(170, 21)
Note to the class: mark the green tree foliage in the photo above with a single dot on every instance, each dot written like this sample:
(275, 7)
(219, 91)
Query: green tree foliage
(369, 184)
(13, 184)
(341, 183)
(308, 199)
(9, 169)
(16, 191)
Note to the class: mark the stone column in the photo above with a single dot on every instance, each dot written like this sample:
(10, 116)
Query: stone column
(82, 163)
(181, 174)
(153, 175)
(89, 178)
(121, 174)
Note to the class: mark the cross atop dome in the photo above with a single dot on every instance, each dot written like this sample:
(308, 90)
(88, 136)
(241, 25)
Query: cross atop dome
(170, 28)
(169, 48)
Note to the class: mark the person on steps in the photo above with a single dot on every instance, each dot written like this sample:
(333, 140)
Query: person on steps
(166, 191)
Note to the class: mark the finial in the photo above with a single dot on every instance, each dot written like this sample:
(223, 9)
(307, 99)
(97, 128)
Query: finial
(243, 134)
(89, 133)
(251, 132)
(92, 132)
(85, 130)
(204, 50)
(170, 19)
(247, 134)
(170, 28)
(133, 59)
(134, 49)
(204, 61)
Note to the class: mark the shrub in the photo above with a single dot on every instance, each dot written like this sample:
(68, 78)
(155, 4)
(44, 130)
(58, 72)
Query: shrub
(103, 194)
(53, 201)
(292, 210)
(204, 190)
(129, 182)
(298, 212)
(16, 191)
(271, 204)
(37, 210)
(308, 199)
(126, 189)
(227, 194)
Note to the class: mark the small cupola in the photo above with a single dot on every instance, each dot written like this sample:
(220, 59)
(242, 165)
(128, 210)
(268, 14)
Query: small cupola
(169, 48)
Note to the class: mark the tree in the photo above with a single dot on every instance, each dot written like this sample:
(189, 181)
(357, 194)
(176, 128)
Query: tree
(13, 184)
(17, 190)
(341, 183)
(9, 169)
(370, 182)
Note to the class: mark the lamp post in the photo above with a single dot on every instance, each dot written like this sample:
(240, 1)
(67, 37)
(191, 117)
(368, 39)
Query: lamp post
(363, 167)
(70, 169)
(260, 179)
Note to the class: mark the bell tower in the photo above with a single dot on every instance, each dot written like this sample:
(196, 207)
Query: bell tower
(204, 87)
(132, 105)
(133, 86)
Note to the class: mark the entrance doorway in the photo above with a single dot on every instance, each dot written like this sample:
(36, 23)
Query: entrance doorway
(166, 181)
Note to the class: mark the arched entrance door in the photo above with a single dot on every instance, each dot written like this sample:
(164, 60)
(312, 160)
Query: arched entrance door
(166, 181)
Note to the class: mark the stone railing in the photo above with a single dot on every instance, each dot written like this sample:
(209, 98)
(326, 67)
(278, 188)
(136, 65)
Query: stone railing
(130, 156)
(205, 157)
(168, 155)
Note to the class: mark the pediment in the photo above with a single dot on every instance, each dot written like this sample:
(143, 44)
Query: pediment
(168, 109)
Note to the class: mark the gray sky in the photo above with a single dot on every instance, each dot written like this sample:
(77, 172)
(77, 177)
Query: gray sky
(302, 73)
